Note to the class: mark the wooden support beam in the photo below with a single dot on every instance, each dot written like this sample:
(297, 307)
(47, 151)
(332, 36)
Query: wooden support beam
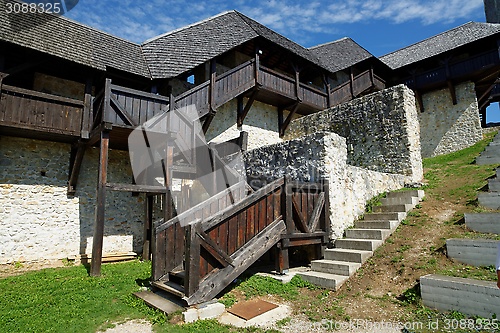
(192, 260)
(136, 188)
(243, 141)
(420, 100)
(87, 110)
(351, 82)
(451, 88)
(211, 87)
(297, 85)
(208, 121)
(316, 214)
(77, 153)
(281, 257)
(122, 113)
(328, 89)
(257, 65)
(208, 244)
(243, 114)
(288, 119)
(95, 134)
(302, 225)
(95, 266)
(148, 227)
(171, 105)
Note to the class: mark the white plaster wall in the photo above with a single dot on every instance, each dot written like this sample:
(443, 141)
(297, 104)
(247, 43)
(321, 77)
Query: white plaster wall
(444, 127)
(38, 220)
(261, 124)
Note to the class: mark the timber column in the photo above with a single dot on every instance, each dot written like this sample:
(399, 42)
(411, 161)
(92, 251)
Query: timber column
(95, 267)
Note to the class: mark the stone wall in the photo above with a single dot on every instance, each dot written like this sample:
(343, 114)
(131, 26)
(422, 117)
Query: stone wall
(261, 124)
(445, 127)
(320, 156)
(381, 129)
(38, 220)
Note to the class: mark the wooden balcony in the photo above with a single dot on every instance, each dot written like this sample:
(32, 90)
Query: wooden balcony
(23, 109)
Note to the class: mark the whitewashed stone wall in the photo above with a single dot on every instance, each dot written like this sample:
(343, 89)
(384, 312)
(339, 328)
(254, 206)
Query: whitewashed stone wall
(445, 127)
(261, 124)
(321, 156)
(382, 131)
(38, 220)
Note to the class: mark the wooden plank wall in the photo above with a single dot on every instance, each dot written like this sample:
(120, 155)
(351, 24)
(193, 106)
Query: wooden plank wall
(34, 110)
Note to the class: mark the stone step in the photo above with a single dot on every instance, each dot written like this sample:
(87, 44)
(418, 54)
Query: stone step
(405, 194)
(385, 216)
(374, 224)
(160, 300)
(393, 208)
(325, 280)
(357, 244)
(494, 185)
(483, 222)
(378, 234)
(474, 252)
(413, 201)
(498, 173)
(489, 199)
(357, 256)
(472, 297)
(344, 268)
(488, 159)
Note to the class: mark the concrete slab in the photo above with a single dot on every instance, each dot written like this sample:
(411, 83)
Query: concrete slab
(475, 252)
(483, 222)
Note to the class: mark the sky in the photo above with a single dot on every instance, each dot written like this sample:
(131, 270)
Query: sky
(380, 26)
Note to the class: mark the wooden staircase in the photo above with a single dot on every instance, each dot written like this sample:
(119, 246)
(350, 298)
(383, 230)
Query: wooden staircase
(224, 235)
(360, 242)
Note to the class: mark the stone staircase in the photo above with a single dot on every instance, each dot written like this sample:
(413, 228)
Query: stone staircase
(360, 242)
(491, 154)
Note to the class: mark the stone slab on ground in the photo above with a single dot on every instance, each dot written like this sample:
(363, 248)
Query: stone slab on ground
(472, 297)
(483, 222)
(474, 252)
(265, 320)
(203, 311)
(132, 326)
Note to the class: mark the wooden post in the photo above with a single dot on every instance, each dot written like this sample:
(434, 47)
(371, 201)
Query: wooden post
(95, 268)
(87, 110)
(257, 65)
(351, 83)
(213, 74)
(148, 219)
(192, 260)
(297, 85)
(281, 257)
(328, 91)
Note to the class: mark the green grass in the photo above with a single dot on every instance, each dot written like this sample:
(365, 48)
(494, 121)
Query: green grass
(68, 300)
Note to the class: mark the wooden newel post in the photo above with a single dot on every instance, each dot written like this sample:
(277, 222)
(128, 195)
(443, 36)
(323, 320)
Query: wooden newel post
(95, 267)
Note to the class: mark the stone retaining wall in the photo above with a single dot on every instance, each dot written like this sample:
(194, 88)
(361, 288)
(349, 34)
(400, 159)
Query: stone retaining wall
(381, 129)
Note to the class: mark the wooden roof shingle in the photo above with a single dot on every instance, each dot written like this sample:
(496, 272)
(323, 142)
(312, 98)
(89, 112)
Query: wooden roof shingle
(64, 38)
(441, 43)
(340, 54)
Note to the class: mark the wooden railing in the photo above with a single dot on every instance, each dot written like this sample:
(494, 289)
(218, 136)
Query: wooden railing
(360, 84)
(230, 231)
(455, 70)
(29, 109)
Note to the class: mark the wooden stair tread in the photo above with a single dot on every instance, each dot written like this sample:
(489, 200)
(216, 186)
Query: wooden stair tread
(170, 287)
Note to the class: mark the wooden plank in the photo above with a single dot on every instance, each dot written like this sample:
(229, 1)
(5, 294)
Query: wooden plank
(247, 201)
(301, 225)
(261, 206)
(316, 214)
(232, 236)
(242, 259)
(192, 260)
(219, 254)
(49, 97)
(139, 93)
(136, 188)
(250, 223)
(242, 223)
(122, 112)
(148, 224)
(95, 266)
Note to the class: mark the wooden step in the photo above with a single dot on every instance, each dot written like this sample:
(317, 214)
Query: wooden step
(169, 286)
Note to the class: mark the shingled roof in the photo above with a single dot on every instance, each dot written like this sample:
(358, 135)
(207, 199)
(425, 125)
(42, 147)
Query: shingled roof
(178, 51)
(340, 54)
(446, 41)
(64, 38)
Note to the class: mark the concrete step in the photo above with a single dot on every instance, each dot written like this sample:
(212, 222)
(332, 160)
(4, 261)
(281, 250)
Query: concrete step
(494, 185)
(356, 256)
(469, 296)
(405, 194)
(489, 199)
(344, 268)
(488, 159)
(357, 244)
(392, 208)
(498, 173)
(378, 234)
(483, 222)
(325, 280)
(374, 224)
(474, 252)
(413, 201)
(386, 216)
